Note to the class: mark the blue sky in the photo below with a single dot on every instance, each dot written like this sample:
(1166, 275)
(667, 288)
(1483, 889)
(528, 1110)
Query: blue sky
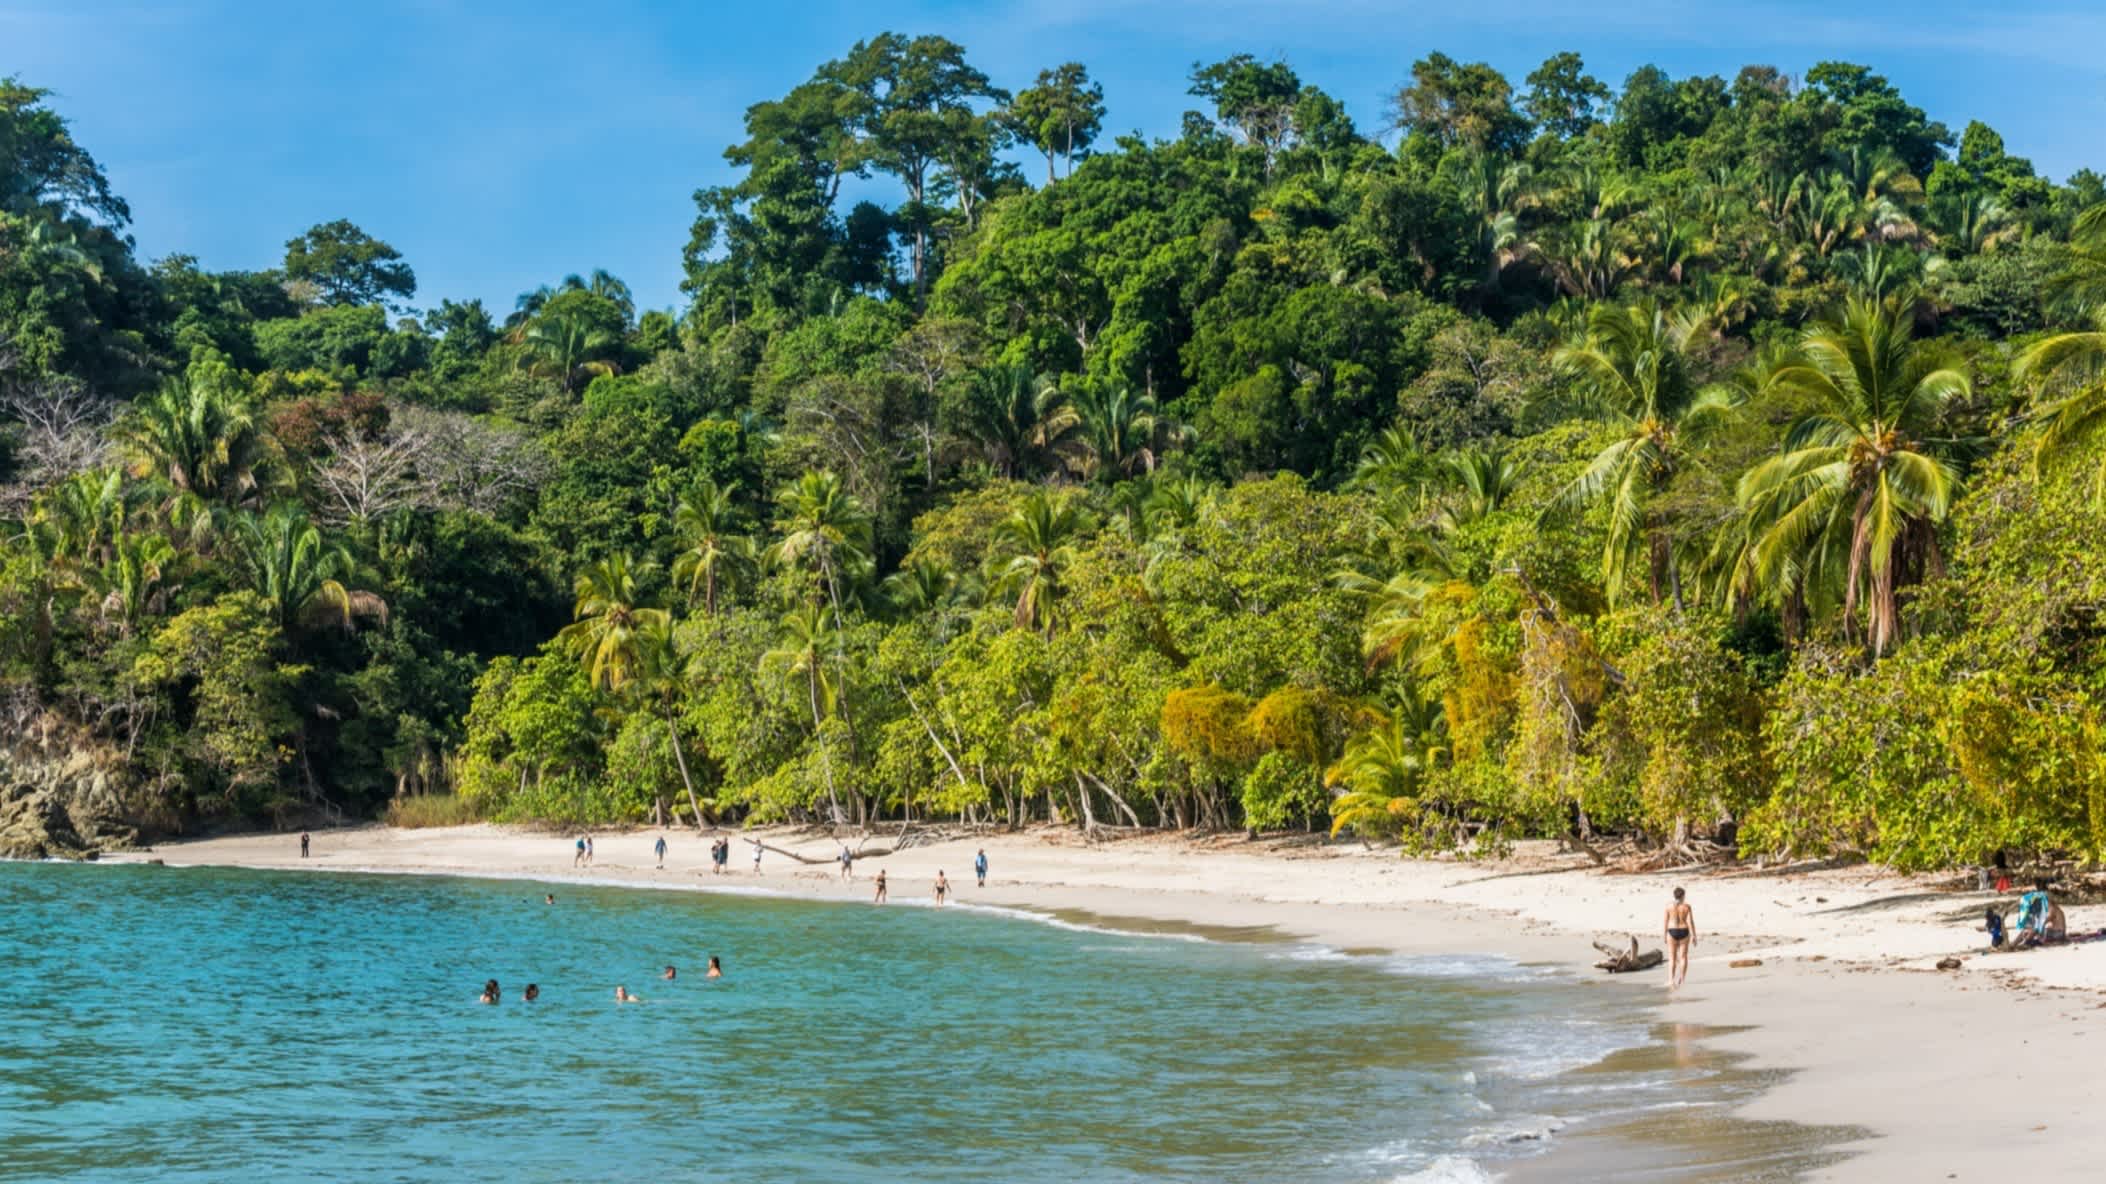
(503, 145)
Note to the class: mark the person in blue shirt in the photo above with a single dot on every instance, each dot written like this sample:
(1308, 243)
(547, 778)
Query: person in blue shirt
(2035, 918)
(661, 850)
(980, 868)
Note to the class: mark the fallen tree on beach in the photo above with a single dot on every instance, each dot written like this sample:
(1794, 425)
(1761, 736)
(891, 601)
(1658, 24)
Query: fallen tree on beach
(1617, 961)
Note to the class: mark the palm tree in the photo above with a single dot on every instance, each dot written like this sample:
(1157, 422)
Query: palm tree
(660, 674)
(2080, 287)
(808, 631)
(565, 343)
(825, 531)
(1859, 486)
(610, 621)
(920, 586)
(1019, 420)
(2068, 370)
(1633, 370)
(1483, 479)
(1591, 263)
(203, 443)
(1120, 431)
(83, 517)
(1972, 224)
(299, 571)
(1383, 767)
(1037, 540)
(605, 285)
(710, 547)
(133, 583)
(1389, 460)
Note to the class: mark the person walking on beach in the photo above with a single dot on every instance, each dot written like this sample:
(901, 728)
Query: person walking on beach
(943, 887)
(980, 868)
(848, 860)
(880, 897)
(578, 860)
(303, 844)
(661, 850)
(1681, 938)
(756, 855)
(720, 855)
(588, 850)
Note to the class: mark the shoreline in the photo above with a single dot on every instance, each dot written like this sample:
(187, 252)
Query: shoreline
(1961, 1075)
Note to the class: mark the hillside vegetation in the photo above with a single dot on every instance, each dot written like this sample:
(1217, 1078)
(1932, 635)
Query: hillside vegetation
(1699, 459)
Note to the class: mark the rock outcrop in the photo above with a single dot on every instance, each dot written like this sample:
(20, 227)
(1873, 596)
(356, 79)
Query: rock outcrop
(61, 806)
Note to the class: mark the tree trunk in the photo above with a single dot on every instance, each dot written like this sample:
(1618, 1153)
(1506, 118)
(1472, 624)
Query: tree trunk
(672, 735)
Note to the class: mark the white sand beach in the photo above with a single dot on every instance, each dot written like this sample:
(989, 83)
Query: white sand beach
(1984, 1073)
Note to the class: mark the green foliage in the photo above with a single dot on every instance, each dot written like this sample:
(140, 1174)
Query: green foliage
(1694, 455)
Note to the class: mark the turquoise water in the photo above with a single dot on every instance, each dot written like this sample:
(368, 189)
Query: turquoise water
(194, 1024)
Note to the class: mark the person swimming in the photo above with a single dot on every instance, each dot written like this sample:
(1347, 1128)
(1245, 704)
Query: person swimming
(669, 974)
(490, 992)
(549, 899)
(1681, 938)
(622, 995)
(533, 992)
(716, 968)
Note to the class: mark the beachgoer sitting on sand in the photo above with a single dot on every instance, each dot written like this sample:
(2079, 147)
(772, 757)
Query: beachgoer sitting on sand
(490, 992)
(2033, 910)
(2057, 929)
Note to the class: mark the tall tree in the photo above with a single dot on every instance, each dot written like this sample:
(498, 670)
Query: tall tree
(710, 545)
(1255, 98)
(610, 621)
(1563, 99)
(1632, 369)
(1455, 103)
(918, 101)
(1860, 486)
(348, 266)
(1060, 115)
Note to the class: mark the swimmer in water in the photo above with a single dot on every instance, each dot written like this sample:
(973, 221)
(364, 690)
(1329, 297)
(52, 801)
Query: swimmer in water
(622, 995)
(549, 899)
(490, 992)
(669, 974)
(533, 992)
(716, 968)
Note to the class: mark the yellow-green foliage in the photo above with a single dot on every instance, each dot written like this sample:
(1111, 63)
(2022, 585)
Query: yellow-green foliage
(429, 809)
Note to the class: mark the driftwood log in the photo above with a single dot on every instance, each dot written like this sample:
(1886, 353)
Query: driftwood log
(1617, 961)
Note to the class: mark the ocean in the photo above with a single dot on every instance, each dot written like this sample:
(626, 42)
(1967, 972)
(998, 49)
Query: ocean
(171, 1024)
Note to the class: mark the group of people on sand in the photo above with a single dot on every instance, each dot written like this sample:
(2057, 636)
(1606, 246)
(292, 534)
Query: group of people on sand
(583, 858)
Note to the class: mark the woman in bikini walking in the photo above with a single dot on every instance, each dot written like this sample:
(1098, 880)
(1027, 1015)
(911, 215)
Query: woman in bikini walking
(1681, 935)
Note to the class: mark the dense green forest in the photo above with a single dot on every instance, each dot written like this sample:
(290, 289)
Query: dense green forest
(1704, 458)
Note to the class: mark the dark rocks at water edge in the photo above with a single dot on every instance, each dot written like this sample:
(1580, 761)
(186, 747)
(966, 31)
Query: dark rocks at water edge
(61, 806)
